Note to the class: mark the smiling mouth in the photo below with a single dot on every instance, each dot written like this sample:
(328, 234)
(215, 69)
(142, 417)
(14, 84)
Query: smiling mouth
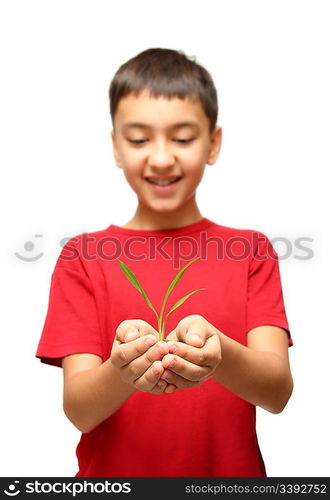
(163, 182)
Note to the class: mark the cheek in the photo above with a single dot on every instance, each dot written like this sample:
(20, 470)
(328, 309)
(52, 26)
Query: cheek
(202, 152)
(129, 156)
(193, 166)
(195, 157)
(132, 175)
(132, 164)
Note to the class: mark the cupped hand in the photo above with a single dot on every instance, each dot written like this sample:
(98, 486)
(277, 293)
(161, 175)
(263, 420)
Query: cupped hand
(137, 354)
(194, 352)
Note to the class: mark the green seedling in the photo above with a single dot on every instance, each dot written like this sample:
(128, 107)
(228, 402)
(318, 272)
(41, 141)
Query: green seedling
(161, 318)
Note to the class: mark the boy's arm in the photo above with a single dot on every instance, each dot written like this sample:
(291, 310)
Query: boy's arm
(259, 372)
(93, 390)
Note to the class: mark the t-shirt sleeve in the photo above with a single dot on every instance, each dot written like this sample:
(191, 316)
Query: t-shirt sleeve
(265, 304)
(71, 325)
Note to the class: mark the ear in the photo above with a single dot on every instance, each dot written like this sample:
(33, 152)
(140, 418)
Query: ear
(115, 149)
(215, 145)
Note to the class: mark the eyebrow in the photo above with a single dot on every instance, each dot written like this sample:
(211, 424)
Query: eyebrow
(175, 126)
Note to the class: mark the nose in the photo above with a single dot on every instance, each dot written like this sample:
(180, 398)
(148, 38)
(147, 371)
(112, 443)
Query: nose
(161, 155)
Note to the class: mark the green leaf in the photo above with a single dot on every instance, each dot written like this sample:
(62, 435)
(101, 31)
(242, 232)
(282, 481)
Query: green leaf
(130, 275)
(181, 301)
(135, 282)
(173, 283)
(178, 277)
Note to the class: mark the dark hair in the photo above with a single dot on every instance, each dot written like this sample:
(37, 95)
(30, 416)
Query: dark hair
(165, 72)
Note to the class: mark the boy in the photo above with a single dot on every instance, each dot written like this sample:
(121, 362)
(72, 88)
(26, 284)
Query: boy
(185, 407)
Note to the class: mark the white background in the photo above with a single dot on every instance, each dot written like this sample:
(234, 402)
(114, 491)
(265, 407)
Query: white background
(270, 63)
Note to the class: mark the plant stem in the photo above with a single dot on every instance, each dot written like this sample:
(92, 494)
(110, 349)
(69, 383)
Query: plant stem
(159, 327)
(164, 327)
(161, 331)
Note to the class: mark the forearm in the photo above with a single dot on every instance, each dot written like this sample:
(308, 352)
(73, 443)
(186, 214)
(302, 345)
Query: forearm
(91, 396)
(262, 378)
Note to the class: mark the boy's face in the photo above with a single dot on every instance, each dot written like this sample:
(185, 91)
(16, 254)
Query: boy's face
(153, 143)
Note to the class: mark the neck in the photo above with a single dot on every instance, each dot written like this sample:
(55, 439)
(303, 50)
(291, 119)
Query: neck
(146, 219)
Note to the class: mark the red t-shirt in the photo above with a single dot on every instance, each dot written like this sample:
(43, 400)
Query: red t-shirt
(206, 431)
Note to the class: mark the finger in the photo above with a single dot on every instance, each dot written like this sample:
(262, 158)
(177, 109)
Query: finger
(185, 369)
(193, 330)
(134, 370)
(177, 381)
(170, 388)
(123, 354)
(160, 387)
(150, 378)
(202, 356)
(128, 330)
(131, 329)
(172, 335)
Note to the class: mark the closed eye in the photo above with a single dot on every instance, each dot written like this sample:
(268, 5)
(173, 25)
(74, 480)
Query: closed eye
(141, 141)
(184, 141)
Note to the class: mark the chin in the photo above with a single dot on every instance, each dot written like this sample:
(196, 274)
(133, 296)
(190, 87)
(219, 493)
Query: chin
(164, 209)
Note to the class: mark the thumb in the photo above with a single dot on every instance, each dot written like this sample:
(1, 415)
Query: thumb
(195, 338)
(172, 335)
(132, 329)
